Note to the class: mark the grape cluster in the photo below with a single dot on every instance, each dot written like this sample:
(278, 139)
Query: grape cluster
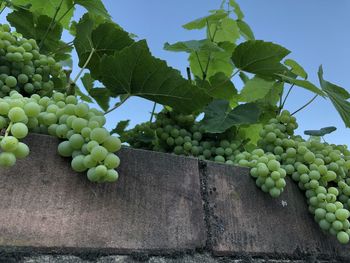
(85, 140)
(181, 134)
(23, 68)
(320, 169)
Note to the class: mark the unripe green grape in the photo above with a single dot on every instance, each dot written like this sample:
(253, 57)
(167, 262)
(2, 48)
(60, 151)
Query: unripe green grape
(99, 153)
(342, 214)
(219, 159)
(76, 141)
(78, 124)
(22, 151)
(65, 149)
(16, 114)
(7, 159)
(275, 192)
(101, 171)
(19, 130)
(111, 176)
(89, 162)
(9, 143)
(343, 237)
(99, 135)
(111, 161)
(78, 164)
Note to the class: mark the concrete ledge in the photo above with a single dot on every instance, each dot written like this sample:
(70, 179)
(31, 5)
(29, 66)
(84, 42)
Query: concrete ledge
(155, 206)
(162, 205)
(243, 219)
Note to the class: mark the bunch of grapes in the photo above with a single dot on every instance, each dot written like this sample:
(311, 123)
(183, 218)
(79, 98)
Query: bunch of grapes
(85, 140)
(173, 132)
(23, 68)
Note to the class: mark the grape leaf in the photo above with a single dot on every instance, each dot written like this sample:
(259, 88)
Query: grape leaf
(48, 8)
(96, 7)
(219, 86)
(260, 57)
(224, 30)
(338, 97)
(219, 116)
(245, 30)
(302, 83)
(320, 132)
(121, 127)
(252, 132)
(237, 9)
(102, 39)
(296, 68)
(100, 95)
(255, 88)
(34, 26)
(216, 61)
(135, 72)
(202, 22)
(193, 46)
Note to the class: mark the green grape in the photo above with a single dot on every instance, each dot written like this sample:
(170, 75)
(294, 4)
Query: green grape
(111, 176)
(112, 144)
(78, 164)
(342, 214)
(22, 151)
(99, 153)
(11, 81)
(65, 149)
(111, 161)
(92, 175)
(7, 159)
(76, 141)
(100, 135)
(91, 145)
(343, 237)
(16, 114)
(101, 171)
(89, 162)
(78, 124)
(19, 130)
(9, 144)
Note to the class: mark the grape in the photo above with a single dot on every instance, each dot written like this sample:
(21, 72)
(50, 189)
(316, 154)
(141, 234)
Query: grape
(7, 159)
(111, 161)
(99, 153)
(16, 114)
(111, 176)
(343, 237)
(65, 149)
(9, 144)
(112, 144)
(19, 130)
(76, 141)
(78, 164)
(99, 135)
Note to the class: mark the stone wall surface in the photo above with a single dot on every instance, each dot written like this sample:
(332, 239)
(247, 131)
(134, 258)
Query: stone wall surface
(164, 208)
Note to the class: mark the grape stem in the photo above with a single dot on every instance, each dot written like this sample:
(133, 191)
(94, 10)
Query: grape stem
(152, 113)
(285, 98)
(188, 70)
(117, 105)
(51, 25)
(8, 129)
(309, 102)
(84, 66)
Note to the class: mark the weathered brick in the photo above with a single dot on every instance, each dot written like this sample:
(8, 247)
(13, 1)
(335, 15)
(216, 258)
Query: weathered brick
(155, 206)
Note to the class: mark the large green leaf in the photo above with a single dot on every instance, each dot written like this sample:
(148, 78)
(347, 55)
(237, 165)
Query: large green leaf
(302, 83)
(255, 88)
(33, 26)
(245, 30)
(224, 30)
(103, 39)
(260, 57)
(338, 97)
(296, 68)
(135, 72)
(203, 21)
(219, 116)
(193, 46)
(252, 132)
(217, 61)
(100, 95)
(49, 7)
(95, 7)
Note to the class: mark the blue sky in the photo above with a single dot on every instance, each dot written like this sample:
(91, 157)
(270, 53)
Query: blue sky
(316, 31)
